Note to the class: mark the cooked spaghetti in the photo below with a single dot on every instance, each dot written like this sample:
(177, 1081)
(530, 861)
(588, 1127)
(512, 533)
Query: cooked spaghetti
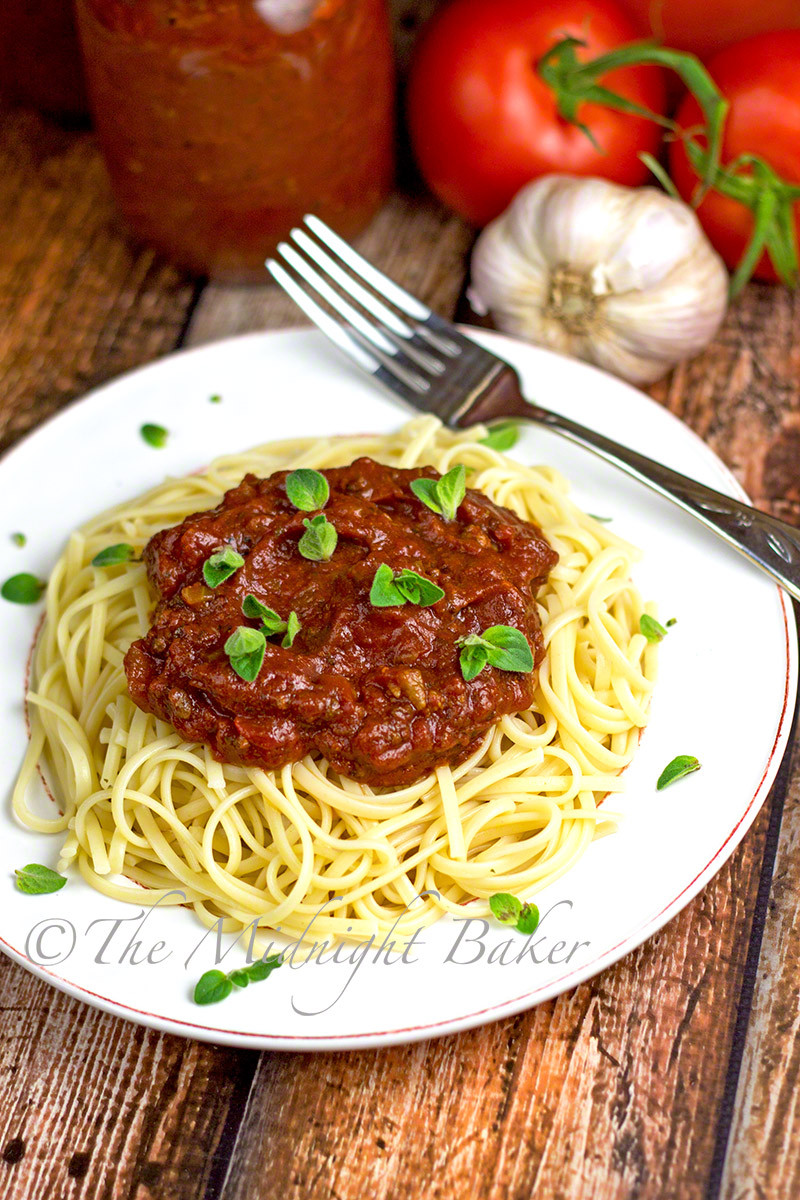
(148, 815)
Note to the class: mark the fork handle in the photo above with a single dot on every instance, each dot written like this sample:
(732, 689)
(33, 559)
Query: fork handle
(771, 544)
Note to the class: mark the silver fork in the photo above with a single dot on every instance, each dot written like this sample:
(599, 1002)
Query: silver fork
(433, 366)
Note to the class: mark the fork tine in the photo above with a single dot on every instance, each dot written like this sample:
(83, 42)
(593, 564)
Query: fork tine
(383, 348)
(386, 287)
(390, 373)
(316, 313)
(403, 334)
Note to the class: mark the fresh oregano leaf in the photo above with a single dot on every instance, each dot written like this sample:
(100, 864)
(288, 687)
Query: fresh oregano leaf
(417, 589)
(528, 918)
(652, 629)
(508, 649)
(271, 622)
(119, 553)
(19, 539)
(216, 985)
(212, 987)
(293, 627)
(505, 908)
(390, 588)
(682, 765)
(155, 435)
(22, 589)
(319, 540)
(221, 565)
(384, 592)
(472, 659)
(245, 649)
(502, 436)
(499, 646)
(263, 968)
(450, 491)
(37, 880)
(425, 490)
(308, 490)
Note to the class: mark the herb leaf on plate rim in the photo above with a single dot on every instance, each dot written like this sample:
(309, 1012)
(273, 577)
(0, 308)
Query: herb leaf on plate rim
(682, 764)
(215, 985)
(22, 589)
(155, 435)
(36, 880)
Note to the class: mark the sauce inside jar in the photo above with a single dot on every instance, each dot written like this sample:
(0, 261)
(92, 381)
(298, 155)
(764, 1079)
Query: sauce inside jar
(223, 123)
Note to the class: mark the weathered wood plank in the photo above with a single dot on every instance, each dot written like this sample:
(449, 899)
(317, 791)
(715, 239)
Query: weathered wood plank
(78, 303)
(95, 1107)
(763, 1158)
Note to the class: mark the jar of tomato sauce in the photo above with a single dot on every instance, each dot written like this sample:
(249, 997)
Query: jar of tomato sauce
(40, 61)
(223, 121)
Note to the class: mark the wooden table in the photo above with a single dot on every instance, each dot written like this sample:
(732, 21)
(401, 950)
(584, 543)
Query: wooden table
(673, 1074)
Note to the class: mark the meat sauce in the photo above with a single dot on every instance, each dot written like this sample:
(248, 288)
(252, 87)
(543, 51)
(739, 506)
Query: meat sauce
(377, 691)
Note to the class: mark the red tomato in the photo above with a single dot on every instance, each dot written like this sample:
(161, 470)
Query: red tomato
(760, 77)
(707, 25)
(482, 121)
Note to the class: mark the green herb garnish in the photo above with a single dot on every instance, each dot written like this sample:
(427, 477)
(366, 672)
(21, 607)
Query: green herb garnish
(155, 435)
(652, 629)
(215, 399)
(119, 553)
(508, 910)
(684, 764)
(293, 627)
(245, 649)
(502, 436)
(443, 495)
(22, 589)
(271, 623)
(319, 540)
(390, 588)
(308, 490)
(672, 621)
(499, 646)
(19, 539)
(37, 880)
(600, 520)
(221, 565)
(216, 985)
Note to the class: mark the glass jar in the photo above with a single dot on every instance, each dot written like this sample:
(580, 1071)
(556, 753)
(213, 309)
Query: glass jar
(223, 121)
(40, 61)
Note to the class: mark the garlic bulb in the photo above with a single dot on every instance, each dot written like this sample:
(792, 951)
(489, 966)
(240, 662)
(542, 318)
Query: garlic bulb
(622, 277)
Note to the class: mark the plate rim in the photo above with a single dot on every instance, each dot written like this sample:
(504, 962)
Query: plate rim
(414, 1033)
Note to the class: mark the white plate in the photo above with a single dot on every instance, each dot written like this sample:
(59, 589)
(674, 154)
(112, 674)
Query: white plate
(725, 693)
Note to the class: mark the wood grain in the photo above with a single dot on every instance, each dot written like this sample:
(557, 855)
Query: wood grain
(95, 1107)
(763, 1157)
(78, 302)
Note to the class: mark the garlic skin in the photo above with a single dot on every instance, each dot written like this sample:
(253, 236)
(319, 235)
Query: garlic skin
(621, 277)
